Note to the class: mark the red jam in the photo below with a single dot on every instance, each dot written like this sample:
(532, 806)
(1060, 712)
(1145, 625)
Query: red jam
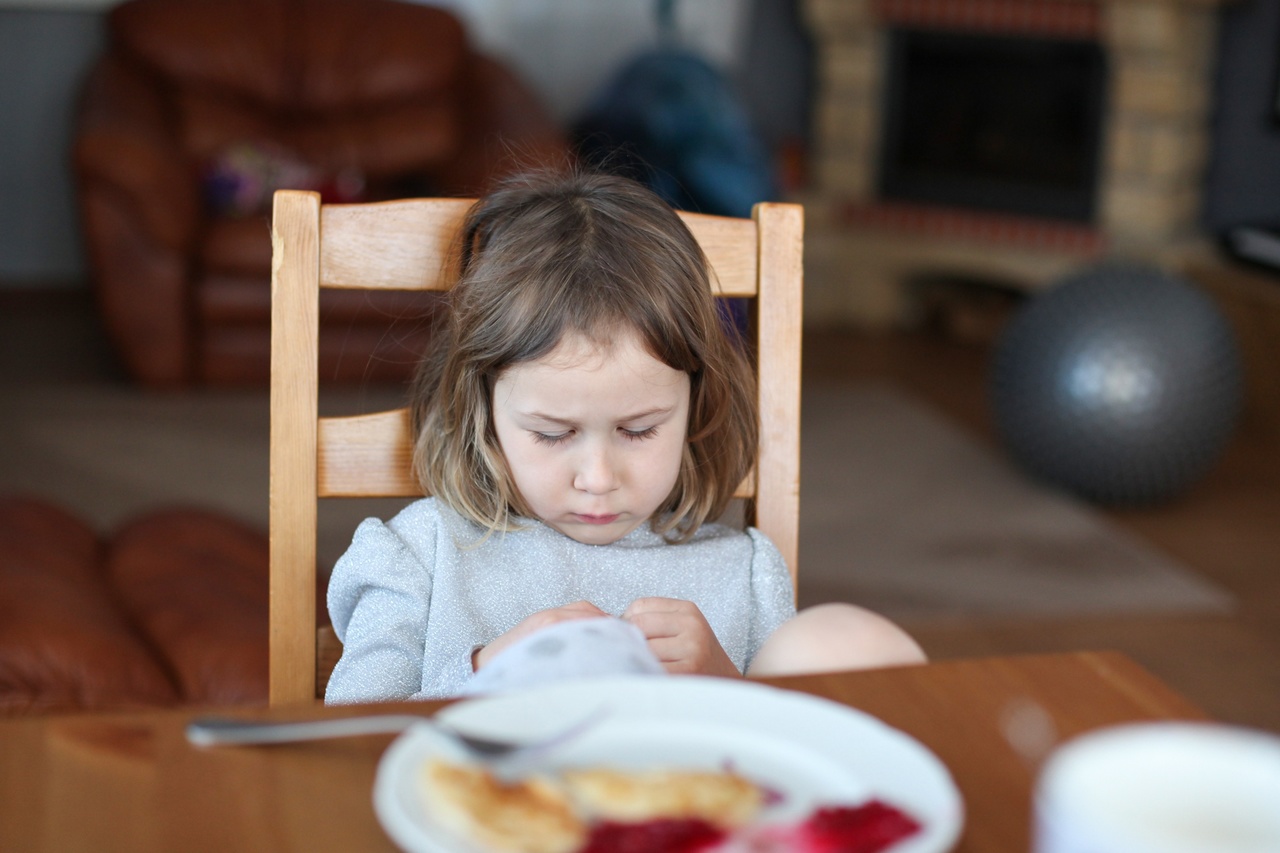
(866, 828)
(654, 836)
(871, 827)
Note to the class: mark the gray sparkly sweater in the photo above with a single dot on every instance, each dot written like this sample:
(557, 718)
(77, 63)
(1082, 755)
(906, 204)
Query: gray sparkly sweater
(413, 596)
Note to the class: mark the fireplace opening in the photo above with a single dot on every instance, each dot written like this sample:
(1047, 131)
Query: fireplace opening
(1004, 123)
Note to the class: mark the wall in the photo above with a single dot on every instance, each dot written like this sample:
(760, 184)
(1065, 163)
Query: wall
(567, 48)
(43, 55)
(1244, 168)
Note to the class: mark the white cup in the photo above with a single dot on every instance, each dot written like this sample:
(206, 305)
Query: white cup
(1161, 788)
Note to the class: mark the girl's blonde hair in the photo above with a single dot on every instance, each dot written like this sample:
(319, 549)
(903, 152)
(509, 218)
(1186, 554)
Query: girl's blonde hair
(547, 255)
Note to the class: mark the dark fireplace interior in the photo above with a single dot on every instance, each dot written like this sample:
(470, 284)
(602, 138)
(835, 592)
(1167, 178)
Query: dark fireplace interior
(1000, 123)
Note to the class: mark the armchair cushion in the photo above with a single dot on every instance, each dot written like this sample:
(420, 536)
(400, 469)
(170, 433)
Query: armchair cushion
(195, 584)
(171, 609)
(63, 643)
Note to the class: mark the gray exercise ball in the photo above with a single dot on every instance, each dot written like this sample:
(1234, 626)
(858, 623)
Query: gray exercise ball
(1119, 383)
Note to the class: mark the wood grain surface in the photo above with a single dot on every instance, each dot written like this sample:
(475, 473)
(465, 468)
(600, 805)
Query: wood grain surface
(131, 782)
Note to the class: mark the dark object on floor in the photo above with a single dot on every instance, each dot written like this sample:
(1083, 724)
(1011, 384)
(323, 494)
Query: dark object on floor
(672, 121)
(1121, 384)
(1257, 244)
(964, 309)
(171, 610)
(198, 109)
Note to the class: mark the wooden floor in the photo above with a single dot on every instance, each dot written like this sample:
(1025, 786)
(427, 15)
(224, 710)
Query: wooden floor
(1227, 527)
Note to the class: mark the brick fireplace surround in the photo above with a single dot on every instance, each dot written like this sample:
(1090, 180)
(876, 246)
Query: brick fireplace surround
(864, 251)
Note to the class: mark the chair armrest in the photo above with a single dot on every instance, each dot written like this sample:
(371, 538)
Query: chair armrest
(140, 219)
(126, 148)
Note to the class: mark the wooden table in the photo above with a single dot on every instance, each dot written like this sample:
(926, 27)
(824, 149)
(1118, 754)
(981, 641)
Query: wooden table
(131, 782)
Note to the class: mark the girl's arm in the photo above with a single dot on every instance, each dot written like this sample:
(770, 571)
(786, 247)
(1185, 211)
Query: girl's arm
(773, 600)
(379, 598)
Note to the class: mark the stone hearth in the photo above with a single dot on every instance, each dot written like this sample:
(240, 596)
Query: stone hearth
(864, 251)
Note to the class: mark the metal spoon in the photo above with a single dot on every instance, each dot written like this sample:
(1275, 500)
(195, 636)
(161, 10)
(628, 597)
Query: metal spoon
(233, 731)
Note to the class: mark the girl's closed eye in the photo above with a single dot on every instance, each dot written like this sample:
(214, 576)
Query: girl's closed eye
(551, 439)
(639, 434)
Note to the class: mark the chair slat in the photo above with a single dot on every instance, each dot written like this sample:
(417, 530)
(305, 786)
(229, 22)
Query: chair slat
(366, 456)
(408, 245)
(731, 249)
(393, 245)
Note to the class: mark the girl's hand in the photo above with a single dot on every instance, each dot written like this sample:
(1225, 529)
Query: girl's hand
(532, 623)
(680, 637)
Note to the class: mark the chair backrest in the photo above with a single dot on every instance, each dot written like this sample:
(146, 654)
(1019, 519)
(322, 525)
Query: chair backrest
(405, 245)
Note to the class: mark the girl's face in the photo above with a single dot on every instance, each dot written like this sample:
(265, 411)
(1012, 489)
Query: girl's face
(593, 434)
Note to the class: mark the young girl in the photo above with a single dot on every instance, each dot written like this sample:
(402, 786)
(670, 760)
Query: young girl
(584, 421)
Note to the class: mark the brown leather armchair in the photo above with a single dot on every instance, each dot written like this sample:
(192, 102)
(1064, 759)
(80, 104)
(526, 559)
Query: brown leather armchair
(380, 95)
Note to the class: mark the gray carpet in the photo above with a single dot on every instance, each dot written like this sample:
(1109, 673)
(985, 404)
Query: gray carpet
(901, 511)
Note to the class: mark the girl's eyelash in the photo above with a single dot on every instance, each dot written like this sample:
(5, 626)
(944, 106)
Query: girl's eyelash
(640, 434)
(560, 438)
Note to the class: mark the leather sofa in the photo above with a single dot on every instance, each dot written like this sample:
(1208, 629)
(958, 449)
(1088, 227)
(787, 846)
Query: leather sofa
(171, 609)
(197, 109)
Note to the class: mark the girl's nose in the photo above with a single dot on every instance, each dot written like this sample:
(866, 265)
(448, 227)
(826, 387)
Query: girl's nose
(596, 473)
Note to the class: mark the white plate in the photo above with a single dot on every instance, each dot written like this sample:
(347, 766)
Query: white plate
(810, 750)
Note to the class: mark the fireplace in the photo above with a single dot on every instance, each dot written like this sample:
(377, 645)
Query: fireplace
(1011, 141)
(999, 123)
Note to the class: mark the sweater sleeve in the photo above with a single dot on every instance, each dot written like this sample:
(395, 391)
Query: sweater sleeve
(379, 597)
(772, 591)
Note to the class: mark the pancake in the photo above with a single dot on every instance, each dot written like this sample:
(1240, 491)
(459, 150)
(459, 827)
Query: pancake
(724, 799)
(555, 814)
(532, 815)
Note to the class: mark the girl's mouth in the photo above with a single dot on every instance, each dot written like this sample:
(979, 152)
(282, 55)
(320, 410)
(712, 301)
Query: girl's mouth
(596, 519)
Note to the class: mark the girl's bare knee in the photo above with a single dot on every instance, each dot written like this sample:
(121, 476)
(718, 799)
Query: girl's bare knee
(834, 636)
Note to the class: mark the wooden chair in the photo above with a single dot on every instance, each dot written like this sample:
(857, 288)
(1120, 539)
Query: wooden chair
(405, 245)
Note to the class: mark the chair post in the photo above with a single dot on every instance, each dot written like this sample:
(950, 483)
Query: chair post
(779, 320)
(295, 274)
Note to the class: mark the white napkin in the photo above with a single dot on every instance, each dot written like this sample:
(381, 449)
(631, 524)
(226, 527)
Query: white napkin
(578, 648)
